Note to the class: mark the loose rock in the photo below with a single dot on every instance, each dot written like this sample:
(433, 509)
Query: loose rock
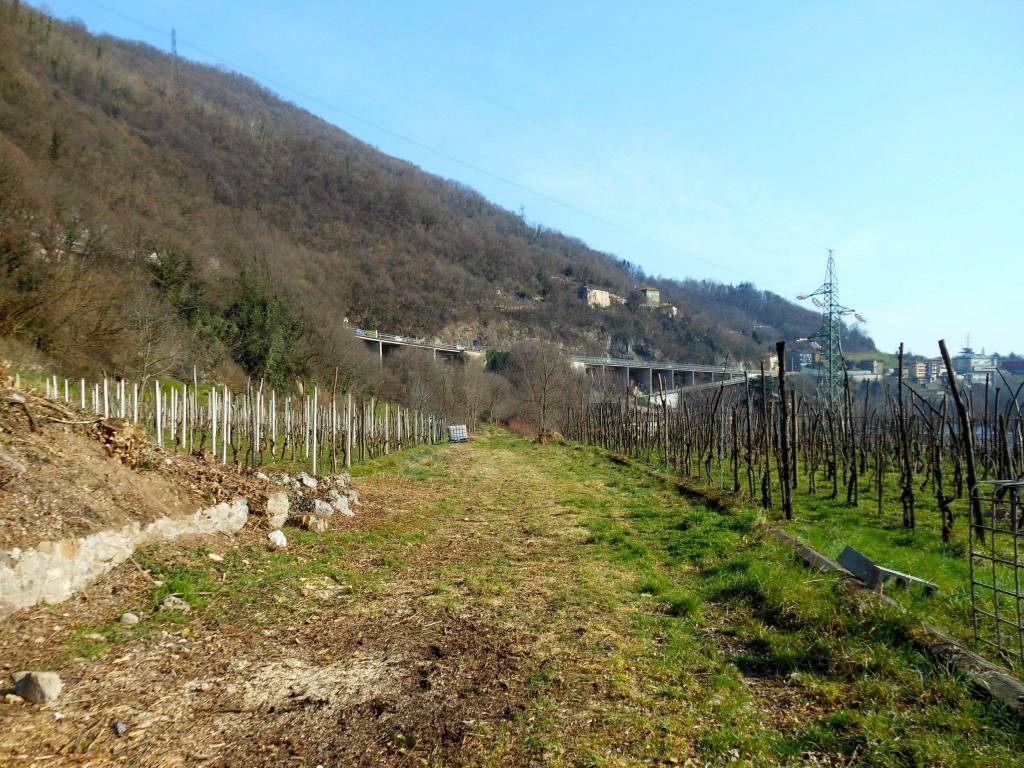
(277, 509)
(322, 508)
(301, 504)
(277, 538)
(37, 687)
(326, 591)
(340, 505)
(174, 603)
(306, 480)
(129, 618)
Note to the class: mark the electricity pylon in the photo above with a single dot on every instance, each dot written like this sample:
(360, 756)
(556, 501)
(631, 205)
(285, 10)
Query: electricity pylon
(829, 337)
(174, 55)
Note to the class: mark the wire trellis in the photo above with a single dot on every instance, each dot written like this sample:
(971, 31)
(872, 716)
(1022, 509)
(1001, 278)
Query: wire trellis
(996, 542)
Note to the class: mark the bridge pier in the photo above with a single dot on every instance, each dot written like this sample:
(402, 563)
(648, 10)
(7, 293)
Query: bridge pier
(644, 378)
(622, 376)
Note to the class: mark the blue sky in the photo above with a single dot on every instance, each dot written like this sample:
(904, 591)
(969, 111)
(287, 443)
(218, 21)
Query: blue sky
(733, 141)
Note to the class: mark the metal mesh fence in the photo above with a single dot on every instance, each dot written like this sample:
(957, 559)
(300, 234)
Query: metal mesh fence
(996, 543)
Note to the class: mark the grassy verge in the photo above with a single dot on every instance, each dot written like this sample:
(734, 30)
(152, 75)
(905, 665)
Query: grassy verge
(737, 647)
(830, 524)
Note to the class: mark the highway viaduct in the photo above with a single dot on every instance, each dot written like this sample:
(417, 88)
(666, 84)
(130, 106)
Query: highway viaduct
(648, 376)
(652, 377)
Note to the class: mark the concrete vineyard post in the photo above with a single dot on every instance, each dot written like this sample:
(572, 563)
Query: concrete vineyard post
(159, 426)
(315, 393)
(348, 430)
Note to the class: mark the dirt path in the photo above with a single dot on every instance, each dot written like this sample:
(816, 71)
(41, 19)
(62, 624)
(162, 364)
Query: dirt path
(351, 648)
(496, 603)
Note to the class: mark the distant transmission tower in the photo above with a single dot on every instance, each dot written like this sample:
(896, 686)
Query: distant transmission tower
(174, 54)
(829, 337)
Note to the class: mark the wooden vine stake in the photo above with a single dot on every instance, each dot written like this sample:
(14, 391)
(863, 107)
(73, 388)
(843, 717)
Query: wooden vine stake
(785, 476)
(966, 435)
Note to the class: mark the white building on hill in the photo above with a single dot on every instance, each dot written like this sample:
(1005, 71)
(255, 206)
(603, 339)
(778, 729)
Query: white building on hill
(596, 297)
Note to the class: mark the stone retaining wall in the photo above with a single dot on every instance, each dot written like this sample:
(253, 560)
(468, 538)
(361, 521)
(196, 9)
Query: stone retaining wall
(54, 570)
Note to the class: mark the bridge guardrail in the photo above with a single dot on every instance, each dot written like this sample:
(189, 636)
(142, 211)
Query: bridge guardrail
(618, 362)
(622, 362)
(407, 341)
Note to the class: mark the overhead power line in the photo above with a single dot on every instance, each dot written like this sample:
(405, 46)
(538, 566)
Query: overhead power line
(420, 68)
(602, 150)
(439, 153)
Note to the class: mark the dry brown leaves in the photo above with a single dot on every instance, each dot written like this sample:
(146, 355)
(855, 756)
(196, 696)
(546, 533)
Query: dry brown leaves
(68, 473)
(549, 436)
(122, 440)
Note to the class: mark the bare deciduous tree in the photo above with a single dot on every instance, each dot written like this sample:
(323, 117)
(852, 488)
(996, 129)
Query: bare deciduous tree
(153, 340)
(540, 373)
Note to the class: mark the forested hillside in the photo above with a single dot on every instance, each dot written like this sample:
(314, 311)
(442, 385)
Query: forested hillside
(157, 213)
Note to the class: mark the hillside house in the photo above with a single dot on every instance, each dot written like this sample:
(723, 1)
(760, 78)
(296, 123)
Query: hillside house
(863, 374)
(595, 297)
(917, 371)
(935, 368)
(799, 360)
(651, 297)
(871, 366)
